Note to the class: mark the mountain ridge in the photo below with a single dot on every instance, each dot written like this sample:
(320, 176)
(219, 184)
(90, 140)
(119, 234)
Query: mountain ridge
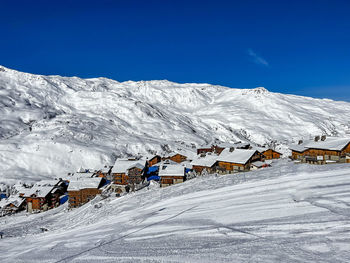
(51, 124)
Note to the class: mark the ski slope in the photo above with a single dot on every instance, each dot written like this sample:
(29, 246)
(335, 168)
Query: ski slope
(286, 213)
(51, 125)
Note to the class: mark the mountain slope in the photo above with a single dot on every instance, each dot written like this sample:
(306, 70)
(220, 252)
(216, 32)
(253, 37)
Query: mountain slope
(51, 125)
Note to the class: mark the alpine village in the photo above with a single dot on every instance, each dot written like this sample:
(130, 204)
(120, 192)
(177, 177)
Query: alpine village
(131, 174)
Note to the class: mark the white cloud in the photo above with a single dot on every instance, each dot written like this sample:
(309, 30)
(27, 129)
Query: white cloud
(257, 59)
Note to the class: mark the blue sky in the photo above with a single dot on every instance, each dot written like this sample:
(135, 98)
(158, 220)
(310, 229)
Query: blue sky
(298, 47)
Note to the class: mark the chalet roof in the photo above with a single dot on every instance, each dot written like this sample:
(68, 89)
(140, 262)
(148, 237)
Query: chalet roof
(47, 183)
(185, 152)
(39, 191)
(171, 170)
(166, 162)
(105, 169)
(263, 149)
(121, 166)
(237, 156)
(330, 143)
(297, 148)
(15, 200)
(80, 175)
(205, 146)
(207, 161)
(259, 149)
(84, 183)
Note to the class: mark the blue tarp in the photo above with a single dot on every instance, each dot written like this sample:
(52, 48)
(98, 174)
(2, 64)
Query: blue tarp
(63, 199)
(153, 177)
(3, 196)
(187, 170)
(152, 169)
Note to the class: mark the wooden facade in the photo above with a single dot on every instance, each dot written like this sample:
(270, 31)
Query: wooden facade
(271, 154)
(178, 158)
(225, 166)
(120, 178)
(233, 167)
(297, 155)
(154, 160)
(82, 196)
(135, 175)
(170, 180)
(200, 168)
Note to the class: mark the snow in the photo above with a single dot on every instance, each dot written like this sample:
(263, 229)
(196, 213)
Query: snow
(84, 183)
(236, 156)
(259, 164)
(286, 213)
(336, 144)
(121, 166)
(52, 125)
(171, 170)
(15, 200)
(39, 191)
(207, 161)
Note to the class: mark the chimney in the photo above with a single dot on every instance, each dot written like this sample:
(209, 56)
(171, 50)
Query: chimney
(323, 138)
(317, 138)
(300, 142)
(232, 149)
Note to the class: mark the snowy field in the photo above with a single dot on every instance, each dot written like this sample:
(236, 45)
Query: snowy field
(286, 213)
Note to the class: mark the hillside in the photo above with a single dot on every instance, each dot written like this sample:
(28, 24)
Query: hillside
(51, 125)
(286, 213)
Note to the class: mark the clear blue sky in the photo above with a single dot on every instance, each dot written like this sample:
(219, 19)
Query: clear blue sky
(298, 47)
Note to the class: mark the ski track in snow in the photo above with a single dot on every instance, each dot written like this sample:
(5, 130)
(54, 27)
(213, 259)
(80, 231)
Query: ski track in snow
(51, 125)
(286, 213)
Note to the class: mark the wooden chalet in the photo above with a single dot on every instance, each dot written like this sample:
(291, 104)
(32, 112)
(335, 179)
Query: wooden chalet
(270, 154)
(206, 163)
(176, 157)
(12, 205)
(154, 160)
(83, 190)
(44, 195)
(328, 150)
(171, 174)
(125, 172)
(237, 160)
(104, 172)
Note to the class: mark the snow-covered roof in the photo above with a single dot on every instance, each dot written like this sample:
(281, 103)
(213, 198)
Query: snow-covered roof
(121, 166)
(330, 143)
(84, 183)
(171, 170)
(15, 200)
(76, 176)
(105, 169)
(207, 161)
(205, 146)
(168, 161)
(259, 149)
(297, 148)
(236, 156)
(47, 183)
(39, 191)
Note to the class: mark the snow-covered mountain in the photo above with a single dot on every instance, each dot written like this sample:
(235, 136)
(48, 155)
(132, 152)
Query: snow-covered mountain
(50, 125)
